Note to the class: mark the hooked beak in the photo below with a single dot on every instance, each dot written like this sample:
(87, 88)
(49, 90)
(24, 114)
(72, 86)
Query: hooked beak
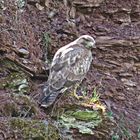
(94, 46)
(91, 45)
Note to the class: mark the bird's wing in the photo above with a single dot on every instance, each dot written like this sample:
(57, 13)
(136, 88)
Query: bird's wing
(69, 66)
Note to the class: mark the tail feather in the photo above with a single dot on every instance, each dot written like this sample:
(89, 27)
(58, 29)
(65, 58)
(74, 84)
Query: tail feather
(49, 100)
(49, 97)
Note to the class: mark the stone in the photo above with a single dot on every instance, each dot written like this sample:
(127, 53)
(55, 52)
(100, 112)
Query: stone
(23, 51)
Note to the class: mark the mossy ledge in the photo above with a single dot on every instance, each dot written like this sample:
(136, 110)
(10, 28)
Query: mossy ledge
(34, 129)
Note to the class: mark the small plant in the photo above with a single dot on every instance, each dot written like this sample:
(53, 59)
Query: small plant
(46, 43)
(47, 39)
(95, 103)
(95, 96)
(121, 130)
(110, 115)
(115, 137)
(84, 121)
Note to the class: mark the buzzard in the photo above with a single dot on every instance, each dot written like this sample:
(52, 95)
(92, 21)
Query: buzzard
(69, 67)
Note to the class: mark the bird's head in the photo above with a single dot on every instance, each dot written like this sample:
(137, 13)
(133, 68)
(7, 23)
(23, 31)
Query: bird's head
(86, 41)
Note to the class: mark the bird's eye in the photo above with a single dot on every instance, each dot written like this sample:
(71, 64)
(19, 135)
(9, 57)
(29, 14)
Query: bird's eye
(86, 39)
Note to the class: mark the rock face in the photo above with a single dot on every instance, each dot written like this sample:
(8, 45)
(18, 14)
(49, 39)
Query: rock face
(113, 23)
(116, 67)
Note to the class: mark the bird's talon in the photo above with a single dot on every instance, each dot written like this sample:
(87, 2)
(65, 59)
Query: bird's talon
(78, 97)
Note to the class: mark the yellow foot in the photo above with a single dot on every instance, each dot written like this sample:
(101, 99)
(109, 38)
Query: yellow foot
(77, 97)
(75, 94)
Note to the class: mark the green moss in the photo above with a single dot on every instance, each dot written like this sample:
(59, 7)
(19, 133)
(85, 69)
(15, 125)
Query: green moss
(8, 109)
(34, 129)
(82, 120)
(53, 133)
(86, 115)
(17, 82)
(13, 77)
(26, 107)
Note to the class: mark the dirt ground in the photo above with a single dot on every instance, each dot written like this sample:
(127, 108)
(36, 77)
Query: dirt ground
(31, 32)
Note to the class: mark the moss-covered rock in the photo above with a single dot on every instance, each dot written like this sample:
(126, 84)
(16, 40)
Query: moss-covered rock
(14, 78)
(34, 129)
(86, 115)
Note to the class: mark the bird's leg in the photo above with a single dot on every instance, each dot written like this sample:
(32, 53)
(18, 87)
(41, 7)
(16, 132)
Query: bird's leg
(75, 94)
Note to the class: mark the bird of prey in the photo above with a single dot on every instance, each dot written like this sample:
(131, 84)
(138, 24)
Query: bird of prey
(68, 68)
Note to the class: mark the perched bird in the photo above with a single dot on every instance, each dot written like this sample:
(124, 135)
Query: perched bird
(69, 67)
